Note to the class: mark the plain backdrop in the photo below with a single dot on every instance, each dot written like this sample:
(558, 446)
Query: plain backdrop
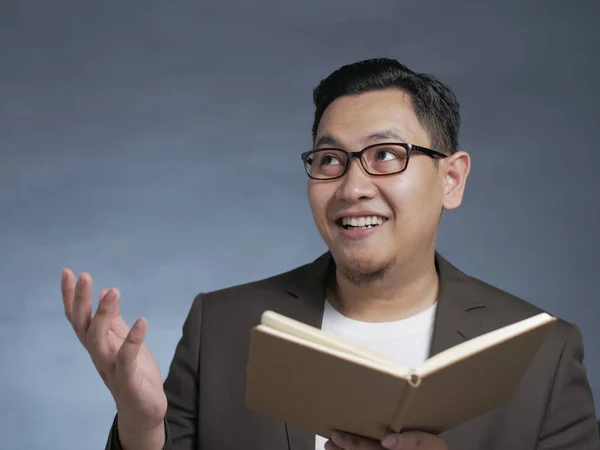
(156, 145)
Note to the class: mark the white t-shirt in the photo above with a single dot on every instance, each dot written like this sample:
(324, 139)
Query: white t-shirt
(406, 341)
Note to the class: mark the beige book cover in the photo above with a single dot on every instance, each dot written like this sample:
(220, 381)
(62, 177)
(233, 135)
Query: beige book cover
(298, 374)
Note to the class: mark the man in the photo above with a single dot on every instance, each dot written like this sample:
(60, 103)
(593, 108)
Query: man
(385, 163)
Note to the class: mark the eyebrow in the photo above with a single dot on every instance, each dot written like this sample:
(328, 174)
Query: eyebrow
(386, 134)
(328, 139)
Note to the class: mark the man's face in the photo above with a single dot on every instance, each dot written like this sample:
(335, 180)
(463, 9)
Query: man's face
(408, 204)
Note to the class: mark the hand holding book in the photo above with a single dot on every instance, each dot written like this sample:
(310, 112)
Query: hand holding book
(410, 440)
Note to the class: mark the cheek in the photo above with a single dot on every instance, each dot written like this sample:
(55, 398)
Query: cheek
(397, 194)
(317, 199)
(413, 199)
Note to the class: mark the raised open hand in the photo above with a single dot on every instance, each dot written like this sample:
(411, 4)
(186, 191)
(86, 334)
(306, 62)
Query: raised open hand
(119, 353)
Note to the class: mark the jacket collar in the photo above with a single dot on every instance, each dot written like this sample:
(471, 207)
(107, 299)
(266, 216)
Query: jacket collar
(459, 312)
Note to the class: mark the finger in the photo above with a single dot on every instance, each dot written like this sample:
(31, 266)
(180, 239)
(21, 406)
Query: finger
(67, 286)
(131, 346)
(397, 442)
(330, 445)
(97, 335)
(103, 292)
(413, 440)
(81, 315)
(349, 441)
(118, 324)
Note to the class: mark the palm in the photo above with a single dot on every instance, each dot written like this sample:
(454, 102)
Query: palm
(141, 383)
(122, 359)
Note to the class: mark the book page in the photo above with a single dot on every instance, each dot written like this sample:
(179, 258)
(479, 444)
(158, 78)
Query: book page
(480, 343)
(320, 389)
(308, 333)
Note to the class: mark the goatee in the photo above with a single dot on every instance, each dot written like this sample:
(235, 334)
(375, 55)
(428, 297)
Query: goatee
(362, 274)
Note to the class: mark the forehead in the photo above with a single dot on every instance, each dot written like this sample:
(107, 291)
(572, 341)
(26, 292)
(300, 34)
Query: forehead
(370, 117)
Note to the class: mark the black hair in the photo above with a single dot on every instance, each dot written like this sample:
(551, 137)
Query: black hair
(434, 103)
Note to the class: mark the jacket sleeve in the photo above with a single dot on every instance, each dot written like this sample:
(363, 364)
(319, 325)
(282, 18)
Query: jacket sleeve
(181, 388)
(570, 419)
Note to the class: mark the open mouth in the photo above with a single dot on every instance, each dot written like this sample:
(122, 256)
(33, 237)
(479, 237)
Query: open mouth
(357, 223)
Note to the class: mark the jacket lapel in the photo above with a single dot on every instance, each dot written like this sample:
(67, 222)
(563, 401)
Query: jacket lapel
(308, 289)
(459, 311)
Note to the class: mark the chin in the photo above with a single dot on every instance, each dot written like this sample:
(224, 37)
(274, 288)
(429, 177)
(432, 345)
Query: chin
(361, 266)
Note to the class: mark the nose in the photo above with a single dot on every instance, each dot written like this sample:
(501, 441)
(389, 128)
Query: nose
(356, 184)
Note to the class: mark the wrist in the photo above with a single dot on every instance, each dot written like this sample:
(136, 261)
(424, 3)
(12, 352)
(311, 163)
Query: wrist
(132, 436)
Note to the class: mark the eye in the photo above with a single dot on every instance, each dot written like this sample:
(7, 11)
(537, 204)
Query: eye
(386, 155)
(328, 159)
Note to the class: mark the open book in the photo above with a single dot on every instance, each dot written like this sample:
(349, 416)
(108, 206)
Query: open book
(298, 374)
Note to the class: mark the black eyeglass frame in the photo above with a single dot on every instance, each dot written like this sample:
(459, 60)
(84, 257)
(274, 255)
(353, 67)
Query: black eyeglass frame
(409, 149)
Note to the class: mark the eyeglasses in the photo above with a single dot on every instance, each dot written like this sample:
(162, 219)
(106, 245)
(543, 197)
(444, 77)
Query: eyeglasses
(377, 160)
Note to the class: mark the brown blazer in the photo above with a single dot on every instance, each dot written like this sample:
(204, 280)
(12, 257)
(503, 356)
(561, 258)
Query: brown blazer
(553, 407)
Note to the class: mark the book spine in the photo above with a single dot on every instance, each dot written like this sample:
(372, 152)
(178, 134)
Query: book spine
(404, 402)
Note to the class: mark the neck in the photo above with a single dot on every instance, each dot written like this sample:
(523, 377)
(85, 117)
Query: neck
(404, 291)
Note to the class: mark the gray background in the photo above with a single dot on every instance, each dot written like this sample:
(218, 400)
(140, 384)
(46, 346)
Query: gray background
(156, 145)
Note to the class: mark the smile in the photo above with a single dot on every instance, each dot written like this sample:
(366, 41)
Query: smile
(362, 222)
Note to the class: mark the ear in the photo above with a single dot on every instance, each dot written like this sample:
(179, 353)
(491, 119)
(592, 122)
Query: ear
(457, 168)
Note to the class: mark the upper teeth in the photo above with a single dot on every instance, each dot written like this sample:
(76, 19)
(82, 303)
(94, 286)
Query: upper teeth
(362, 221)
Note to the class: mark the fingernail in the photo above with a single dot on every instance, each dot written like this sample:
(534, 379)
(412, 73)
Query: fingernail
(389, 441)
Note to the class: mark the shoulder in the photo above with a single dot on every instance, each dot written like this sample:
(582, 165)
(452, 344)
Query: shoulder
(498, 307)
(556, 383)
(501, 301)
(514, 308)
(254, 294)
(277, 282)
